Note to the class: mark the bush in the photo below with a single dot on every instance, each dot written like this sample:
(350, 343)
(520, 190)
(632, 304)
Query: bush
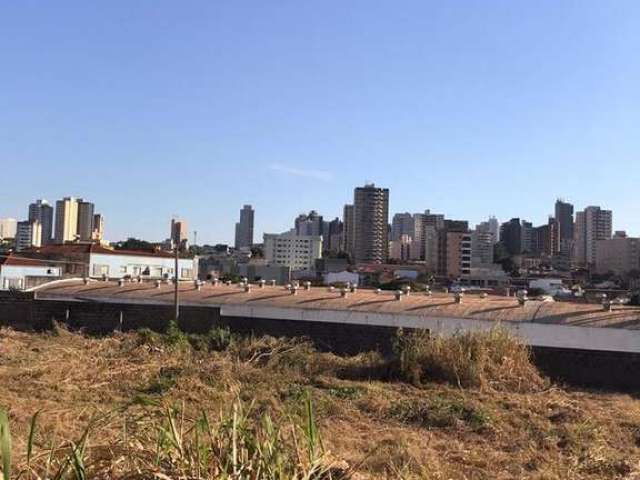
(493, 359)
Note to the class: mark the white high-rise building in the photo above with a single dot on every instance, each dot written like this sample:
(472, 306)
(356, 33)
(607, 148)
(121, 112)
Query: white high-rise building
(299, 252)
(66, 220)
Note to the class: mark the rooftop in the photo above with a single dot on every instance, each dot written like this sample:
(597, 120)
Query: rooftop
(439, 305)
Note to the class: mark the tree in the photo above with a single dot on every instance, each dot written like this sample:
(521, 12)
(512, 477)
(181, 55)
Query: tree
(134, 244)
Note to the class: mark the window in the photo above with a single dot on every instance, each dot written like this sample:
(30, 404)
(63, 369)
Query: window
(186, 273)
(123, 269)
(100, 270)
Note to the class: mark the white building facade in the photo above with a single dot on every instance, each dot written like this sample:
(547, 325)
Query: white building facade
(296, 251)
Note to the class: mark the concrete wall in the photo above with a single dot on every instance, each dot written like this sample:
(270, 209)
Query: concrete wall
(596, 368)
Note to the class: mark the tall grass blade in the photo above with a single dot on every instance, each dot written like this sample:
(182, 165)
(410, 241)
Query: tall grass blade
(32, 431)
(5, 445)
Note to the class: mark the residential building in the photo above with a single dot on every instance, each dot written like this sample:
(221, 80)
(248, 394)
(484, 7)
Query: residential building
(402, 224)
(97, 261)
(98, 228)
(332, 236)
(41, 211)
(179, 231)
(401, 248)
(459, 254)
(85, 220)
(299, 252)
(371, 219)
(445, 262)
(619, 255)
(511, 236)
(545, 239)
(592, 225)
(8, 228)
(490, 226)
(565, 225)
(482, 248)
(244, 228)
(66, 229)
(348, 229)
(28, 235)
(309, 224)
(21, 272)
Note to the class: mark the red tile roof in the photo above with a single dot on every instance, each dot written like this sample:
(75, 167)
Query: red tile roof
(15, 260)
(88, 248)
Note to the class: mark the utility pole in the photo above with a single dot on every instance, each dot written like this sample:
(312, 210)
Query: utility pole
(176, 299)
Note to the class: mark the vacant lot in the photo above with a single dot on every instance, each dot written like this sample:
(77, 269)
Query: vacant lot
(142, 405)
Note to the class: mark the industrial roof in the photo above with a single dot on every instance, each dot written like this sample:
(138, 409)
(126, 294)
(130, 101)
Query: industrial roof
(493, 307)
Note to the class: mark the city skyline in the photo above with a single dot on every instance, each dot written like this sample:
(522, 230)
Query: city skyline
(469, 109)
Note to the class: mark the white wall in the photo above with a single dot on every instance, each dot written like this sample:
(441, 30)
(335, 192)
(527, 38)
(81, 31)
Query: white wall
(118, 266)
(15, 275)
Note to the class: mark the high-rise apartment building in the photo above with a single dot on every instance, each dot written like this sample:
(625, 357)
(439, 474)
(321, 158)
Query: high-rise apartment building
(28, 234)
(41, 211)
(371, 222)
(244, 228)
(179, 234)
(309, 224)
(86, 211)
(66, 229)
(8, 228)
(517, 236)
(402, 224)
(459, 254)
(490, 226)
(592, 224)
(348, 229)
(98, 227)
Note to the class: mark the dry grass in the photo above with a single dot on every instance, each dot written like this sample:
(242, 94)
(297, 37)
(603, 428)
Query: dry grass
(478, 424)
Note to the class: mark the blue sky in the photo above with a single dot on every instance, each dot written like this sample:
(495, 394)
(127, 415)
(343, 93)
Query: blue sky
(470, 108)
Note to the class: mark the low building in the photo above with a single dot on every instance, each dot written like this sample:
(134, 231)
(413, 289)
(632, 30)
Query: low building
(258, 271)
(299, 252)
(22, 273)
(96, 261)
(345, 277)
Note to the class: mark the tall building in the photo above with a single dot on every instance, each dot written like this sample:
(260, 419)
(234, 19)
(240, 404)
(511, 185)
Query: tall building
(564, 218)
(482, 248)
(619, 255)
(41, 211)
(86, 211)
(490, 226)
(545, 238)
(402, 224)
(299, 252)
(244, 228)
(8, 228)
(28, 234)
(400, 249)
(511, 236)
(179, 234)
(98, 227)
(309, 224)
(348, 229)
(332, 235)
(459, 254)
(371, 221)
(592, 224)
(66, 229)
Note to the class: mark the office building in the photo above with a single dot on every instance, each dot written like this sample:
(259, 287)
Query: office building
(592, 225)
(490, 226)
(85, 220)
(8, 228)
(41, 211)
(371, 219)
(618, 255)
(28, 235)
(299, 252)
(244, 228)
(66, 228)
